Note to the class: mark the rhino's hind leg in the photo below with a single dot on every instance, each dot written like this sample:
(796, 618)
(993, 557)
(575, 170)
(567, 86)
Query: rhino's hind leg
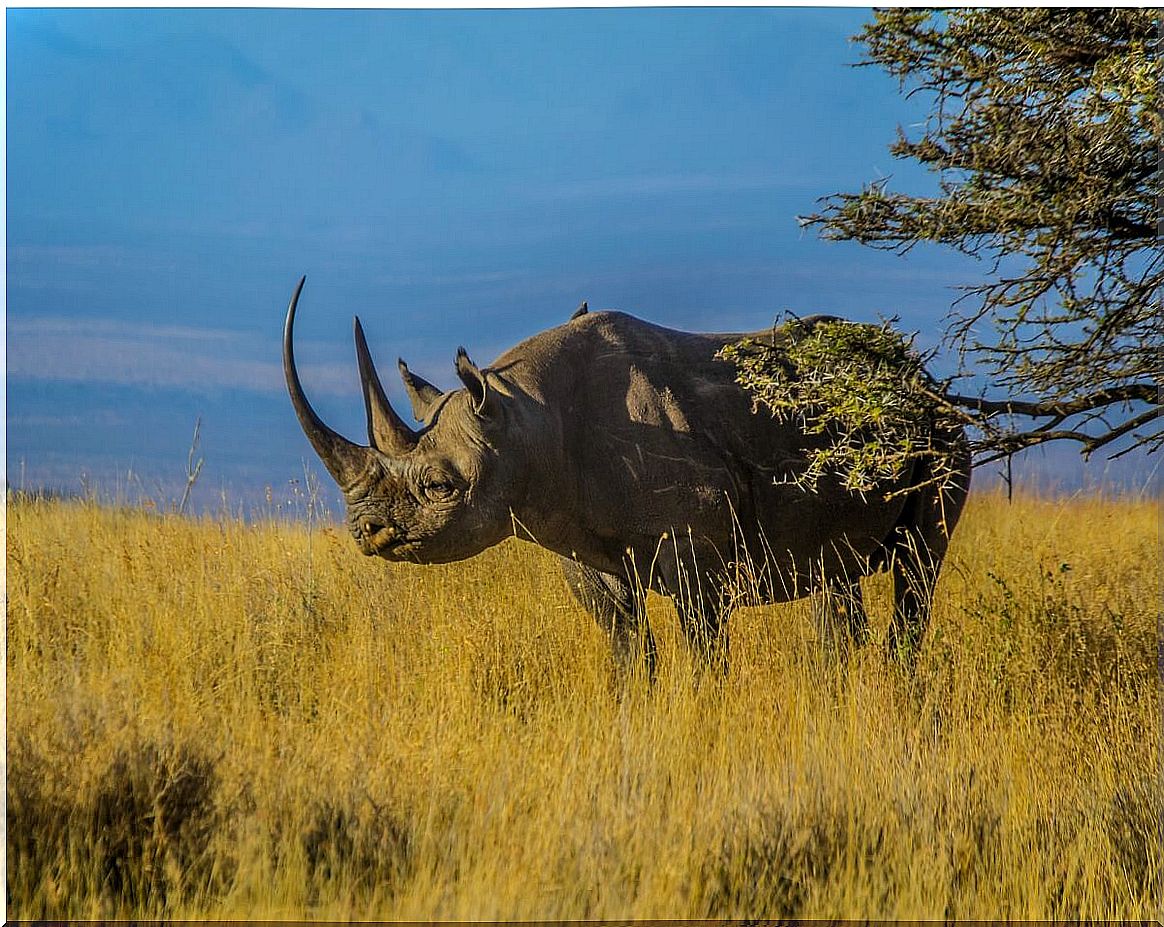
(915, 572)
(619, 611)
(839, 612)
(915, 557)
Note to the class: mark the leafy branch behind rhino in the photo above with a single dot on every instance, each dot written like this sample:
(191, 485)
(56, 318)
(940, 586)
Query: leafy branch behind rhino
(861, 385)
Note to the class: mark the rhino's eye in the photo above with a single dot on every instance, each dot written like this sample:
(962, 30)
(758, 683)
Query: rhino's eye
(439, 490)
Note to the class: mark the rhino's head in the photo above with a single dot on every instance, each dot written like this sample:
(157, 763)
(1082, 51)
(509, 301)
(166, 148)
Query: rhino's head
(428, 496)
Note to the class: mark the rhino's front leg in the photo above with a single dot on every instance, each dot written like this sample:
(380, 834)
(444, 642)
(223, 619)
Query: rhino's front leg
(619, 611)
(703, 602)
(704, 619)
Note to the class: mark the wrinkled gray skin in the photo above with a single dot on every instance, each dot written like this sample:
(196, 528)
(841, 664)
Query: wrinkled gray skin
(632, 453)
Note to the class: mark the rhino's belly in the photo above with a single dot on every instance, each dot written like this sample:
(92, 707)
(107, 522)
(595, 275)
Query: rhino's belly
(777, 554)
(679, 508)
(804, 538)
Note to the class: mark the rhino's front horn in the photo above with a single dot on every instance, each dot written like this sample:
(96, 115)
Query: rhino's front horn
(386, 430)
(344, 460)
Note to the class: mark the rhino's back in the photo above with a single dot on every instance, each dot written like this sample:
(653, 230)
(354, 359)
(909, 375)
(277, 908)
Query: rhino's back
(668, 393)
(609, 371)
(606, 361)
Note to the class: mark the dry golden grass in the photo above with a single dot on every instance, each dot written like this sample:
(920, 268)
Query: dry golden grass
(215, 720)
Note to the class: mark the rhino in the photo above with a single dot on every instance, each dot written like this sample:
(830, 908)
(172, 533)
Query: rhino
(631, 451)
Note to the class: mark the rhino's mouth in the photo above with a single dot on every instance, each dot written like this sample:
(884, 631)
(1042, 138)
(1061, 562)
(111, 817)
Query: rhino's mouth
(397, 548)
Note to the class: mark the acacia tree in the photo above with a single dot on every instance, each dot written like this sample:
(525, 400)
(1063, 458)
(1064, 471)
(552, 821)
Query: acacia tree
(1045, 134)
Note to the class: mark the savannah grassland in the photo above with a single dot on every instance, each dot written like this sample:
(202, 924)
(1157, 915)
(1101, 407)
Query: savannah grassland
(210, 719)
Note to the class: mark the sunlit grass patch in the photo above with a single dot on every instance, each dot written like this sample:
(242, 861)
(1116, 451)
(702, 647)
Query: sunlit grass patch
(210, 719)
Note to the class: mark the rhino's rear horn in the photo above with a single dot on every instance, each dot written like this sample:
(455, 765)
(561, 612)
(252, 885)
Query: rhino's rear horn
(386, 430)
(422, 394)
(344, 460)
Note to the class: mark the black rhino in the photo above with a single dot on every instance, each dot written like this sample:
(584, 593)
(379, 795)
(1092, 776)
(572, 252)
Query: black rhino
(630, 451)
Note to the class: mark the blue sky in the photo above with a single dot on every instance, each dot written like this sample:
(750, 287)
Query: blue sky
(454, 177)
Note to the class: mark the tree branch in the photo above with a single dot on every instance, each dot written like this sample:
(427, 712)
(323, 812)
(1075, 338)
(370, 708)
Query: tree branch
(1132, 392)
(1012, 444)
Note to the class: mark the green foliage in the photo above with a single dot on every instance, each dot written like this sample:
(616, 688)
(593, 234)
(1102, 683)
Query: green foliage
(1044, 134)
(862, 387)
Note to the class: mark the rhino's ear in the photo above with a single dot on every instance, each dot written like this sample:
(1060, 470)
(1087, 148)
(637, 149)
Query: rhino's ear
(474, 381)
(580, 311)
(422, 394)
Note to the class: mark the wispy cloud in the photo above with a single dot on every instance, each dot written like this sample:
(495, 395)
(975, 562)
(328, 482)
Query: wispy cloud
(49, 326)
(71, 267)
(108, 351)
(44, 420)
(65, 255)
(663, 184)
(434, 279)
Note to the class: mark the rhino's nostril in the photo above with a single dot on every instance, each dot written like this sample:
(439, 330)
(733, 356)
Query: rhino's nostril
(371, 528)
